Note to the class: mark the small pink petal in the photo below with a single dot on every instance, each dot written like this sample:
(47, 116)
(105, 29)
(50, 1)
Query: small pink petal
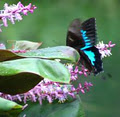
(4, 21)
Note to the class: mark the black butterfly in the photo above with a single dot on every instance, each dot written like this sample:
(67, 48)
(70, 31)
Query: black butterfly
(83, 37)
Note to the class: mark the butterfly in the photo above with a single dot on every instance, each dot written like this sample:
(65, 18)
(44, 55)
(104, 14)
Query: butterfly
(83, 37)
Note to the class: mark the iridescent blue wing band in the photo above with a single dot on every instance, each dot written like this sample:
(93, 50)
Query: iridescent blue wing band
(86, 40)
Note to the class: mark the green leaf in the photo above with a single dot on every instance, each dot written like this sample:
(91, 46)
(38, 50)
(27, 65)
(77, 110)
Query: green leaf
(9, 108)
(26, 45)
(19, 76)
(70, 108)
(58, 52)
(8, 55)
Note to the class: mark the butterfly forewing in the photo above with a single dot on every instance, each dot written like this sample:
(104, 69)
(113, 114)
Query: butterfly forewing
(74, 37)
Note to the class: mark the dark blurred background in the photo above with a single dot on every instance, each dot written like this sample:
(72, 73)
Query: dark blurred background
(49, 24)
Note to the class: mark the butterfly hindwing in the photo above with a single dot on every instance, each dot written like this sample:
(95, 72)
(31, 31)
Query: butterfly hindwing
(98, 61)
(92, 58)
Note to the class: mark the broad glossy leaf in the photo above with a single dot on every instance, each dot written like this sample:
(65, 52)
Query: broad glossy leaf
(71, 108)
(58, 52)
(26, 45)
(8, 55)
(9, 108)
(19, 76)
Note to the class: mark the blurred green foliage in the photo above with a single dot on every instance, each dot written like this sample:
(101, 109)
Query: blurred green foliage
(49, 25)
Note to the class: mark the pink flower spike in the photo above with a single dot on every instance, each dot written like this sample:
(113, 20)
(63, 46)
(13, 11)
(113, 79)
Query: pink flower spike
(80, 72)
(40, 100)
(105, 49)
(76, 69)
(5, 6)
(18, 17)
(81, 88)
(87, 85)
(110, 44)
(29, 6)
(25, 12)
(33, 8)
(11, 18)
(65, 89)
(84, 71)
(15, 12)
(5, 22)
(19, 51)
(73, 89)
(19, 97)
(85, 74)
(20, 5)
(70, 67)
(90, 84)
(49, 98)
